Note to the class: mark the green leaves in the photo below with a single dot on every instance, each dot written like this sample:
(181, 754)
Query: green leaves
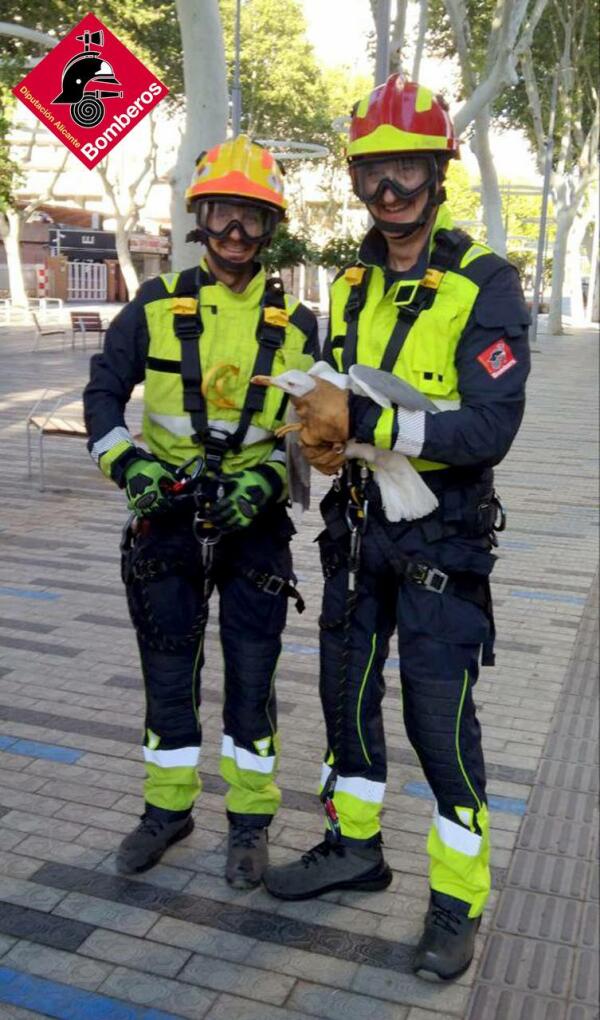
(287, 250)
(284, 94)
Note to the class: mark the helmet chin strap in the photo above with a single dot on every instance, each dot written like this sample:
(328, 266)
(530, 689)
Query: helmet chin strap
(237, 268)
(435, 199)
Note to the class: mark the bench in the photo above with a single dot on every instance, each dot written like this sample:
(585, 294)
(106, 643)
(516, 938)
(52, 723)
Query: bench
(42, 331)
(48, 418)
(50, 421)
(84, 323)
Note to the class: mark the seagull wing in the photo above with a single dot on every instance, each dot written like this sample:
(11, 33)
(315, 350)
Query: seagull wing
(387, 389)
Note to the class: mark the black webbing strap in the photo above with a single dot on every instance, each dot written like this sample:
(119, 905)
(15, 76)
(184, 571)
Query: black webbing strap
(448, 250)
(188, 329)
(272, 584)
(407, 316)
(270, 336)
(303, 319)
(354, 306)
(187, 323)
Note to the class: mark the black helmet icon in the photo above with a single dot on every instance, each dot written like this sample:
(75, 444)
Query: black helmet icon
(83, 68)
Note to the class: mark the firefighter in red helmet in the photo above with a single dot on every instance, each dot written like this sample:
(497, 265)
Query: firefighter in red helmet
(446, 315)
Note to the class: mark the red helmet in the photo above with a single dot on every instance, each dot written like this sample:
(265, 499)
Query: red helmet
(401, 116)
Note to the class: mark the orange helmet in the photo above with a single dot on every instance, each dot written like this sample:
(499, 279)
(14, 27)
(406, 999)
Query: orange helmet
(401, 116)
(241, 169)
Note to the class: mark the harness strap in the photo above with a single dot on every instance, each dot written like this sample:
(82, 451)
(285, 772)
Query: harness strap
(447, 253)
(272, 584)
(464, 585)
(354, 306)
(468, 586)
(448, 249)
(270, 336)
(188, 327)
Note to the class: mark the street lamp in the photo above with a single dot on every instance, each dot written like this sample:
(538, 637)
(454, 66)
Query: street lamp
(236, 89)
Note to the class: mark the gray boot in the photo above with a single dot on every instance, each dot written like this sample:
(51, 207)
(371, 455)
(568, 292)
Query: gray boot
(144, 847)
(247, 855)
(350, 864)
(447, 944)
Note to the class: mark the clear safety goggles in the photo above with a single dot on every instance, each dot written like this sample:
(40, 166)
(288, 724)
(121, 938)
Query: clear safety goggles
(254, 222)
(406, 176)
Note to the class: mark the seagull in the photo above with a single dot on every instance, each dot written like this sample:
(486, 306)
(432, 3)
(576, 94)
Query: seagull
(404, 494)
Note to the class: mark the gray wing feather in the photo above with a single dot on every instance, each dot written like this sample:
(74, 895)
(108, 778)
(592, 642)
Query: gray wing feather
(373, 382)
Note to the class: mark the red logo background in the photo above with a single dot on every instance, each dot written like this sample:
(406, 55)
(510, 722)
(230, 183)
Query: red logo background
(497, 358)
(141, 91)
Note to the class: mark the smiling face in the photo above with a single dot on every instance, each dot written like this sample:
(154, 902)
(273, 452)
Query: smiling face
(234, 247)
(392, 209)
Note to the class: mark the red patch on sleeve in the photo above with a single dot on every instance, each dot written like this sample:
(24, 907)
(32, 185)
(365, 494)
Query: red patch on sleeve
(497, 358)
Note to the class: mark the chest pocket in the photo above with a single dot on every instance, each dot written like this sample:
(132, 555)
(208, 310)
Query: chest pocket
(432, 361)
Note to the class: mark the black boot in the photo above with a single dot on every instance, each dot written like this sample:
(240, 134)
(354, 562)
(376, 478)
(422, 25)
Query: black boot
(348, 864)
(144, 847)
(247, 855)
(447, 944)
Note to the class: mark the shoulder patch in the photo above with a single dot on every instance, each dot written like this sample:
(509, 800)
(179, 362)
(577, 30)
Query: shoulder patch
(497, 358)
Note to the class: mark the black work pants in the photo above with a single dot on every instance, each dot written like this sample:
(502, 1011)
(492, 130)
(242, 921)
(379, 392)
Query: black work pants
(166, 589)
(439, 641)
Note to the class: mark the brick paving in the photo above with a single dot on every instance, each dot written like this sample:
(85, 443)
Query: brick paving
(78, 941)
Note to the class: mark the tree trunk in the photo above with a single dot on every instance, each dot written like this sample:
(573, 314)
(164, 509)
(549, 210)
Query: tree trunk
(10, 231)
(573, 280)
(302, 282)
(490, 191)
(323, 290)
(124, 256)
(422, 32)
(565, 214)
(206, 110)
(591, 308)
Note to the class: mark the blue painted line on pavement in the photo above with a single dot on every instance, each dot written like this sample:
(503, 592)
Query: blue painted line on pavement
(51, 752)
(513, 543)
(20, 593)
(64, 1002)
(289, 646)
(544, 596)
(6, 742)
(510, 805)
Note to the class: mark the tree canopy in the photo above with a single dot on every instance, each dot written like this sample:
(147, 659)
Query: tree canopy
(513, 108)
(284, 94)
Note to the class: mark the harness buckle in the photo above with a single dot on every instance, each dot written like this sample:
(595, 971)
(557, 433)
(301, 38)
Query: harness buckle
(273, 585)
(434, 580)
(216, 444)
(430, 578)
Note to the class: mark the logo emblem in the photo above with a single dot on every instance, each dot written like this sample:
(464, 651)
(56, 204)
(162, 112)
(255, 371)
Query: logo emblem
(497, 358)
(90, 91)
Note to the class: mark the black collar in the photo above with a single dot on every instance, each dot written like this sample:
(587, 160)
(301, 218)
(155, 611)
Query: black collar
(374, 252)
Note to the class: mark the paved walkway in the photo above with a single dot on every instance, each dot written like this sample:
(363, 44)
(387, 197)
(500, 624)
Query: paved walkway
(77, 941)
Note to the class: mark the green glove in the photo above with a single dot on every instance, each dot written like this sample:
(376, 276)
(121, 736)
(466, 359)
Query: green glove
(242, 497)
(146, 482)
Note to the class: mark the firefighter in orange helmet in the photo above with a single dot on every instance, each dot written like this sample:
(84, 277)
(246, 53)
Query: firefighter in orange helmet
(197, 338)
